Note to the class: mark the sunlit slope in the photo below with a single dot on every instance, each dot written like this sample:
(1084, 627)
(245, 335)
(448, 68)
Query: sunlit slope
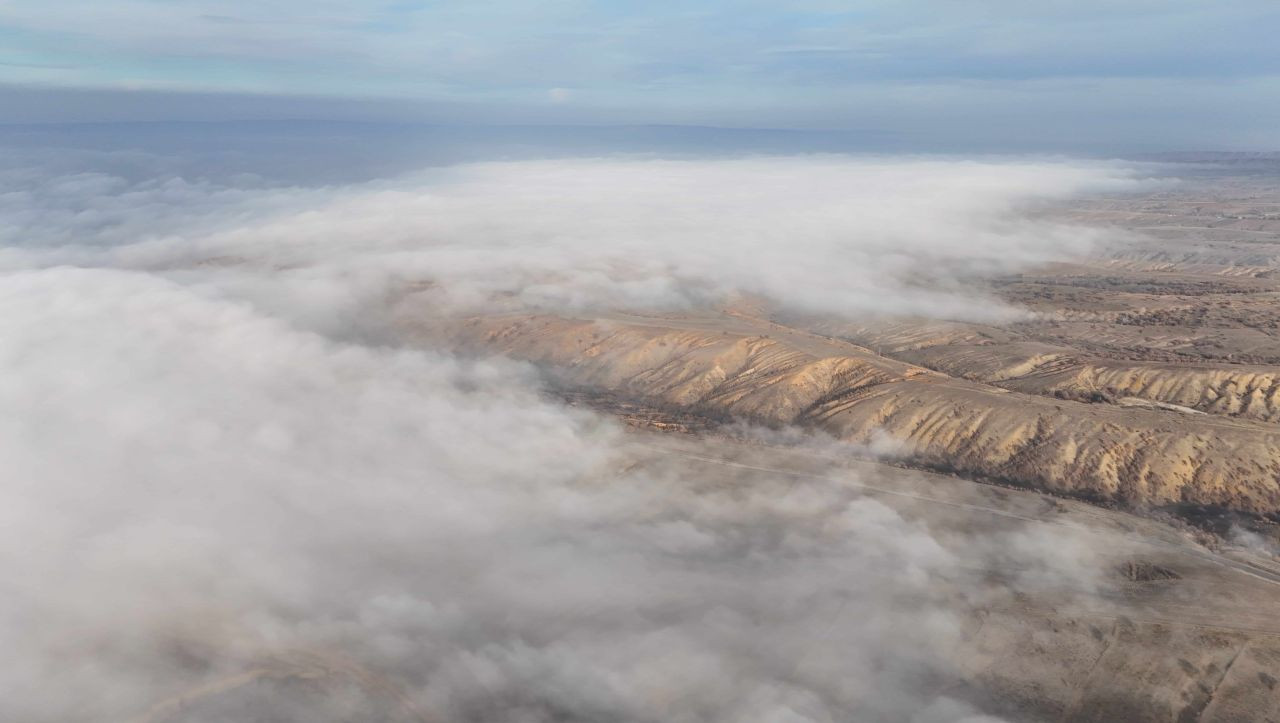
(1014, 362)
(733, 368)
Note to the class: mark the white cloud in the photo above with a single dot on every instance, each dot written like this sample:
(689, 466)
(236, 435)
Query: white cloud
(188, 474)
(826, 233)
(210, 468)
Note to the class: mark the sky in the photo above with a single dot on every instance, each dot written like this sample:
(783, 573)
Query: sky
(1154, 74)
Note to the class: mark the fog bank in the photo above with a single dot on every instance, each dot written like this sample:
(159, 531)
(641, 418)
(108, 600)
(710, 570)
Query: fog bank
(217, 461)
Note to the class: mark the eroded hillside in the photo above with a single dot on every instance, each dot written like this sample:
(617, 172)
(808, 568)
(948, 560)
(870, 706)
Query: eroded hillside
(1145, 376)
(731, 368)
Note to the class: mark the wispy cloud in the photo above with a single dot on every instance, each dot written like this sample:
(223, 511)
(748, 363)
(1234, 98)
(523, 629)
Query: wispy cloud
(720, 60)
(853, 235)
(217, 470)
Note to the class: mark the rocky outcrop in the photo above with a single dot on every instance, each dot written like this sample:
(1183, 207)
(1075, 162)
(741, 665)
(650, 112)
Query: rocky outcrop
(1000, 358)
(771, 375)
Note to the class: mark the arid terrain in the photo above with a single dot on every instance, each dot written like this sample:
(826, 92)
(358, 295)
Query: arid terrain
(1125, 619)
(1140, 391)
(1145, 377)
(361, 471)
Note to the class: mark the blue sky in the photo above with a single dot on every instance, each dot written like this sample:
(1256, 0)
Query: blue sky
(1192, 71)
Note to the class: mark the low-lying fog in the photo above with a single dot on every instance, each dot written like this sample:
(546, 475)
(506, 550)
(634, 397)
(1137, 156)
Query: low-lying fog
(215, 456)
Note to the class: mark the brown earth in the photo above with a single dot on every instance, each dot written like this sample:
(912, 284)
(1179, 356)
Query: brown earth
(967, 414)
(1145, 380)
(1146, 376)
(1152, 627)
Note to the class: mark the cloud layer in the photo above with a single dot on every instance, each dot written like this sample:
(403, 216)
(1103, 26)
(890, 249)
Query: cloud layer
(195, 489)
(850, 236)
(214, 463)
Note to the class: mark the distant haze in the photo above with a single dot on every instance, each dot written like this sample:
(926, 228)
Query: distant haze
(1114, 76)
